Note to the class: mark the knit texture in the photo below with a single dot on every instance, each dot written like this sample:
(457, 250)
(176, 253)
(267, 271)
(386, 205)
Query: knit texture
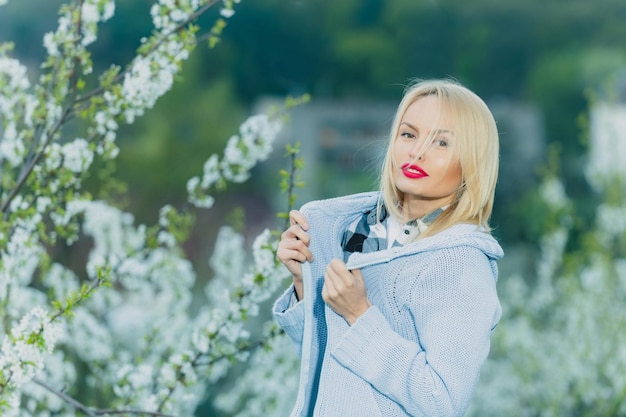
(419, 349)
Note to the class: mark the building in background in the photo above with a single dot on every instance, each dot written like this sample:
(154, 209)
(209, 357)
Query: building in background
(522, 147)
(342, 144)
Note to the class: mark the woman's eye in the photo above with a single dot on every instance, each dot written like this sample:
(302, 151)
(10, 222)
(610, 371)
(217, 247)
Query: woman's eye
(441, 142)
(407, 135)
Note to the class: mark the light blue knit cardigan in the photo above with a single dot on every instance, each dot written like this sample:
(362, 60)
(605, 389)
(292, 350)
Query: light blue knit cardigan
(419, 349)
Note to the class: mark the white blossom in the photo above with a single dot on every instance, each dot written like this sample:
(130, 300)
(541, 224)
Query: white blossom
(77, 157)
(22, 355)
(11, 147)
(93, 12)
(37, 321)
(105, 122)
(163, 213)
(263, 252)
(50, 44)
(15, 72)
(227, 13)
(227, 259)
(11, 409)
(258, 134)
(553, 193)
(276, 395)
(108, 11)
(43, 203)
(612, 219)
(61, 281)
(211, 172)
(178, 15)
(147, 80)
(53, 157)
(20, 257)
(54, 111)
(202, 202)
(89, 13)
(166, 239)
(200, 341)
(91, 336)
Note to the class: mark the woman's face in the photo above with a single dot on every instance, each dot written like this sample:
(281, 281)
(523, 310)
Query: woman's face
(429, 181)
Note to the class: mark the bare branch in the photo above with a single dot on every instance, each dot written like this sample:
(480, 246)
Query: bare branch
(94, 412)
(71, 401)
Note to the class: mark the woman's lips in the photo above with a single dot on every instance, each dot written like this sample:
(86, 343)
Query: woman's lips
(413, 171)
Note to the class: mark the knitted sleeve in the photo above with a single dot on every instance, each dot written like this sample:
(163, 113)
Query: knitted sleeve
(454, 306)
(290, 317)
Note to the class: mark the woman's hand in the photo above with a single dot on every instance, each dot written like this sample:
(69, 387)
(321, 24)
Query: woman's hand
(293, 249)
(344, 291)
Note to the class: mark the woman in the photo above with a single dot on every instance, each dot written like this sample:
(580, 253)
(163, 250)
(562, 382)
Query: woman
(394, 292)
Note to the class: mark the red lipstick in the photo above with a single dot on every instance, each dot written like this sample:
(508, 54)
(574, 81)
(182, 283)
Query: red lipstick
(413, 171)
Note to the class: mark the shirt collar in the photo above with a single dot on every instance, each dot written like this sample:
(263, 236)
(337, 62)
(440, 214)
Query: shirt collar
(426, 220)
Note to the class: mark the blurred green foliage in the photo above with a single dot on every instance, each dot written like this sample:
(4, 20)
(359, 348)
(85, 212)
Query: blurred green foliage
(547, 53)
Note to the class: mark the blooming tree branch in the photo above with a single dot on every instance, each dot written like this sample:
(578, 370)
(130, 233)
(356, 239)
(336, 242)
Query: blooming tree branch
(126, 321)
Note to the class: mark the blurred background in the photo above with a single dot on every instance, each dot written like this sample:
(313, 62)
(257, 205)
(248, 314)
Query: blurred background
(536, 63)
(547, 69)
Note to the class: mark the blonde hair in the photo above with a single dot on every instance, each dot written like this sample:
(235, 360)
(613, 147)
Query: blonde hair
(476, 142)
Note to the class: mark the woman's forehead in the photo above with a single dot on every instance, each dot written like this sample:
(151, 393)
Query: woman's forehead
(430, 113)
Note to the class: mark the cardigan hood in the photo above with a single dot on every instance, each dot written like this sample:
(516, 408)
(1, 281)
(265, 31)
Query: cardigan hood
(344, 209)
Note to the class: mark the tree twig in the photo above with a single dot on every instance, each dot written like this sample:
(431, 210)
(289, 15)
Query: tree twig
(71, 401)
(94, 412)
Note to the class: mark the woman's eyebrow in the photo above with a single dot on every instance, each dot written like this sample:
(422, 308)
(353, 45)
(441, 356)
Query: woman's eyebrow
(409, 125)
(436, 132)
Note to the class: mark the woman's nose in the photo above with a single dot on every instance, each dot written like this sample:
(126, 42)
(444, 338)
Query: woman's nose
(417, 151)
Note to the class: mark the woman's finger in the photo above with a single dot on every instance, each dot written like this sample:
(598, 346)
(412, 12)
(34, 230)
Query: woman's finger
(297, 218)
